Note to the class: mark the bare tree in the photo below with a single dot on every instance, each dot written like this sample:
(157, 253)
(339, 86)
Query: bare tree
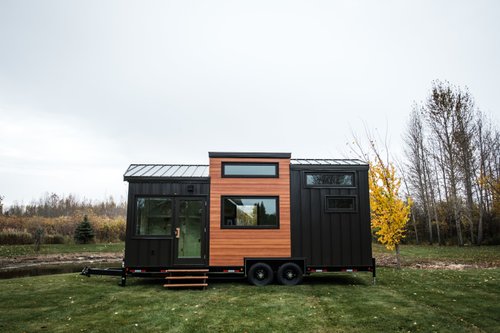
(440, 111)
(464, 114)
(453, 163)
(416, 165)
(412, 209)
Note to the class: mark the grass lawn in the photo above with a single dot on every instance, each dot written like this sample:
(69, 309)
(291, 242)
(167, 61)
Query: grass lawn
(22, 250)
(408, 300)
(428, 253)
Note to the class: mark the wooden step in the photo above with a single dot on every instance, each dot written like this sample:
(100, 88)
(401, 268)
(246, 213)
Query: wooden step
(177, 285)
(186, 271)
(200, 277)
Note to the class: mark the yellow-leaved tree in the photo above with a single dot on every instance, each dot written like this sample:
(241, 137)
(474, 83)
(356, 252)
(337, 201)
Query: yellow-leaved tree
(389, 213)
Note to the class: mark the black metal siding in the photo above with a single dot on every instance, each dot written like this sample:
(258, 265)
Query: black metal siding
(155, 251)
(330, 239)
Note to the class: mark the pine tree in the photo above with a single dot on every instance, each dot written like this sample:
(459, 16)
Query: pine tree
(84, 233)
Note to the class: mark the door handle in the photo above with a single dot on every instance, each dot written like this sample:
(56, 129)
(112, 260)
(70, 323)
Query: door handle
(177, 232)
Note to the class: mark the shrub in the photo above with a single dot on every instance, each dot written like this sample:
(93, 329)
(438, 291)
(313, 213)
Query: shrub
(105, 229)
(15, 237)
(109, 230)
(84, 233)
(54, 239)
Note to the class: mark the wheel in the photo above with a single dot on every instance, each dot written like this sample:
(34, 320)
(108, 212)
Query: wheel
(260, 274)
(289, 274)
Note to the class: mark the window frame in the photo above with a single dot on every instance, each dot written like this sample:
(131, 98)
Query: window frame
(327, 209)
(353, 173)
(275, 164)
(276, 197)
(135, 235)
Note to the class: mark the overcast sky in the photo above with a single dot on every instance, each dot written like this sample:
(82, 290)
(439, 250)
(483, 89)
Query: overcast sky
(89, 87)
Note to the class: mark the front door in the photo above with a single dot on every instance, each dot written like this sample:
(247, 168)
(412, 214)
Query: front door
(190, 230)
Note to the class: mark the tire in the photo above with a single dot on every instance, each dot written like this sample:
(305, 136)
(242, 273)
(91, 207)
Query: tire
(260, 274)
(289, 274)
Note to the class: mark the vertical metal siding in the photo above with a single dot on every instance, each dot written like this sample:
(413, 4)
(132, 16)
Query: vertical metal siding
(330, 239)
(316, 226)
(295, 210)
(364, 210)
(154, 252)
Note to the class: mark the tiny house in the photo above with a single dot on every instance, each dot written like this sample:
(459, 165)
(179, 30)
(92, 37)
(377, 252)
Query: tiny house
(264, 216)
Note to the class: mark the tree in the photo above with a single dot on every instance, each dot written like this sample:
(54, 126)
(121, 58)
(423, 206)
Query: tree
(443, 105)
(417, 165)
(84, 233)
(452, 152)
(38, 237)
(389, 213)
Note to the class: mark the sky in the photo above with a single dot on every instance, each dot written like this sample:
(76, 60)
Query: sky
(89, 87)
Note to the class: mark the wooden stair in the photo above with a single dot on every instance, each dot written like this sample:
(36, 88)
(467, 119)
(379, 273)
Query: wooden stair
(186, 278)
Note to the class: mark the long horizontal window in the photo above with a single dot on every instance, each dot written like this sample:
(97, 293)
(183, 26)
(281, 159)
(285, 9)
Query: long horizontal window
(252, 170)
(331, 179)
(250, 212)
(340, 204)
(153, 217)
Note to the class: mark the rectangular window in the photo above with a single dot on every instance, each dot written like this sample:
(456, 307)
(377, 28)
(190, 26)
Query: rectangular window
(250, 212)
(340, 204)
(330, 179)
(154, 217)
(250, 170)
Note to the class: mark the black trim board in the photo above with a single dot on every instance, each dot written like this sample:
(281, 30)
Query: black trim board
(248, 155)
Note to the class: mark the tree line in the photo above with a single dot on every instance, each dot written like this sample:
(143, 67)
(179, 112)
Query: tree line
(52, 205)
(452, 169)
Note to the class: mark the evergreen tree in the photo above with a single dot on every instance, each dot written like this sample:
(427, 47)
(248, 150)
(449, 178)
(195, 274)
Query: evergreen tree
(84, 233)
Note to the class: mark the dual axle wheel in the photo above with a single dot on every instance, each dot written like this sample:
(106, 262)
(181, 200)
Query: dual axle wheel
(261, 274)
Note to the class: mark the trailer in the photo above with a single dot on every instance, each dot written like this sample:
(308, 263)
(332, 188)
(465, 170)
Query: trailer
(262, 216)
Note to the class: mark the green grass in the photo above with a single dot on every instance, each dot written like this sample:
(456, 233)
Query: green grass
(22, 250)
(451, 254)
(408, 300)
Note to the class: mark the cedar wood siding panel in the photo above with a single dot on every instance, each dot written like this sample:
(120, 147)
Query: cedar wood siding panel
(228, 247)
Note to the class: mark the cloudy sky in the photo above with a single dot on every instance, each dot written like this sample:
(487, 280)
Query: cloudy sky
(88, 87)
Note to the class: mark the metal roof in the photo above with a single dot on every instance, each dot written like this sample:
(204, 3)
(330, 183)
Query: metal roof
(166, 171)
(201, 170)
(320, 161)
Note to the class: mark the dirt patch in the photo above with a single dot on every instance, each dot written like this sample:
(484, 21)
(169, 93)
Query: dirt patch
(56, 259)
(383, 260)
(388, 260)
(447, 265)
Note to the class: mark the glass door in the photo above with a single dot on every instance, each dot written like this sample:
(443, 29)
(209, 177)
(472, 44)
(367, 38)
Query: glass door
(189, 241)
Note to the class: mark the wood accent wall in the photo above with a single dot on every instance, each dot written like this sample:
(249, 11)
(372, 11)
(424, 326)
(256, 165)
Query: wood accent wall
(228, 247)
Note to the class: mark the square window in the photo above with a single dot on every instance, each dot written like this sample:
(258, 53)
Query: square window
(154, 217)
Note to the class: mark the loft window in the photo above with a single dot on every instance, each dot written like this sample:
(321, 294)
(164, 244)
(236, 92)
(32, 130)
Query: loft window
(153, 217)
(250, 212)
(334, 204)
(250, 170)
(331, 179)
